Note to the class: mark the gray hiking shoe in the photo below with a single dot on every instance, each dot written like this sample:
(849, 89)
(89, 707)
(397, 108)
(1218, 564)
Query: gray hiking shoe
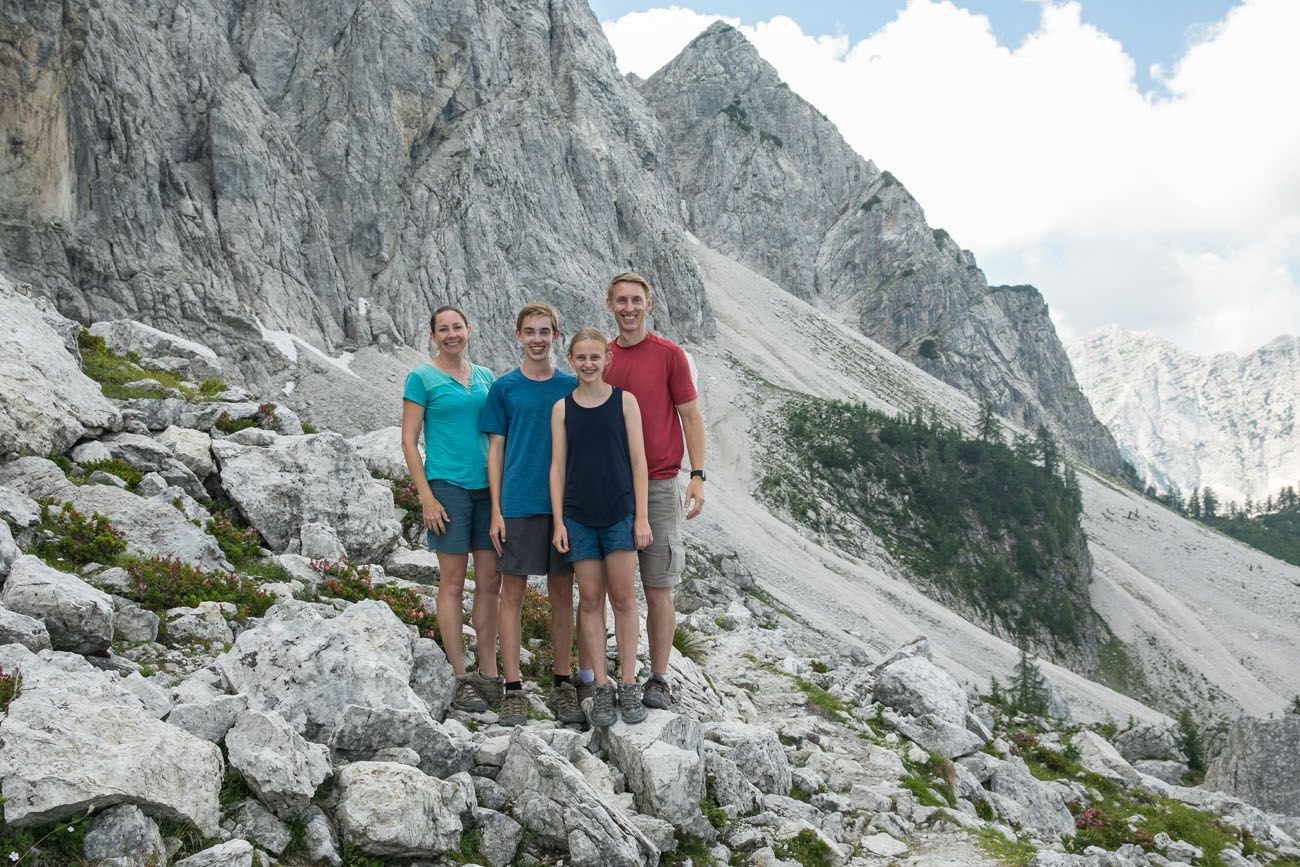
(492, 689)
(514, 708)
(657, 694)
(467, 698)
(629, 702)
(564, 704)
(602, 706)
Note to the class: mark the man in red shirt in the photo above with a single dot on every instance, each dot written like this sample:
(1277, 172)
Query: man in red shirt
(656, 372)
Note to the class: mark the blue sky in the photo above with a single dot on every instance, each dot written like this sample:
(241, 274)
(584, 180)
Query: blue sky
(1038, 136)
(1151, 31)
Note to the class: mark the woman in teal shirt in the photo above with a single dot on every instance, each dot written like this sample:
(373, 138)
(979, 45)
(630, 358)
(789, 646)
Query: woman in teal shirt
(445, 398)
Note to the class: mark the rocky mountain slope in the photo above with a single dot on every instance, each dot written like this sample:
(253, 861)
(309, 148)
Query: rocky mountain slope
(205, 694)
(1224, 421)
(327, 173)
(767, 180)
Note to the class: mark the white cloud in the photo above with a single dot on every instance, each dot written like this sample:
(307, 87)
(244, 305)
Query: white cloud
(1049, 162)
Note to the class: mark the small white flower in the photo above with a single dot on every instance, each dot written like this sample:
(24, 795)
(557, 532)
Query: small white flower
(14, 856)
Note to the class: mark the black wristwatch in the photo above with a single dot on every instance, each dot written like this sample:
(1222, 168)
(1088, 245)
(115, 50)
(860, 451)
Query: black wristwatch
(698, 474)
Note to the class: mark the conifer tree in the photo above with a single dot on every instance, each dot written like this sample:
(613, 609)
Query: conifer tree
(1189, 740)
(1048, 452)
(988, 427)
(1209, 503)
(1028, 687)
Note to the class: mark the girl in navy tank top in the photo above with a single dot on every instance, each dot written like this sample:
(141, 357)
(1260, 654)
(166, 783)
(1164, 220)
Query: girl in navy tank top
(598, 502)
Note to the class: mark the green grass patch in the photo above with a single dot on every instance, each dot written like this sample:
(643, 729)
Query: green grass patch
(160, 583)
(9, 686)
(114, 373)
(688, 643)
(717, 816)
(817, 697)
(57, 843)
(354, 857)
(805, 848)
(67, 538)
(690, 850)
(113, 466)
(1006, 852)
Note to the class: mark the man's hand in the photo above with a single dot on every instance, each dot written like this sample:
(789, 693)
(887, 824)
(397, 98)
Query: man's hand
(693, 502)
(497, 530)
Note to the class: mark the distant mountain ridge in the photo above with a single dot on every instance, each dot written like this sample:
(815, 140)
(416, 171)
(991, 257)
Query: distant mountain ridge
(768, 180)
(1225, 421)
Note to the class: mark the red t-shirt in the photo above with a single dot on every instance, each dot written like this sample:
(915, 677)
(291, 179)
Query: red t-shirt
(659, 376)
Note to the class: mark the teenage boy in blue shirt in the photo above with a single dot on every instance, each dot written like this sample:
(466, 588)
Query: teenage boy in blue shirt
(517, 419)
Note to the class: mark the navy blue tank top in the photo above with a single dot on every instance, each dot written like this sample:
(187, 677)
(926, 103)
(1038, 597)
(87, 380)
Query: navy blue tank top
(598, 474)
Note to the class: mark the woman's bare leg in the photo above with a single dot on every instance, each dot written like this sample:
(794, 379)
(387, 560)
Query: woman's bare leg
(451, 589)
(483, 614)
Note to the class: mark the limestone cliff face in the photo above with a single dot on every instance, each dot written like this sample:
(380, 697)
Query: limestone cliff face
(1189, 421)
(332, 169)
(768, 180)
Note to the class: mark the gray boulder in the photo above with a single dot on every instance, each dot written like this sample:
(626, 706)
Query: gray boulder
(46, 402)
(281, 768)
(153, 698)
(1148, 741)
(432, 677)
(559, 807)
(235, 853)
(914, 685)
(19, 509)
(205, 623)
(362, 732)
(499, 836)
(727, 785)
(18, 628)
(935, 734)
(1261, 764)
(297, 481)
(320, 842)
(662, 760)
(1097, 755)
(127, 834)
(151, 456)
(132, 622)
(757, 752)
(382, 451)
(193, 448)
(1028, 803)
(8, 549)
(391, 809)
(208, 717)
(158, 349)
(1166, 770)
(308, 667)
(75, 737)
(79, 617)
(412, 564)
(253, 822)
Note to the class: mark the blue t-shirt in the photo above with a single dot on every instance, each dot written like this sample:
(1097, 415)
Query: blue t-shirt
(519, 409)
(454, 448)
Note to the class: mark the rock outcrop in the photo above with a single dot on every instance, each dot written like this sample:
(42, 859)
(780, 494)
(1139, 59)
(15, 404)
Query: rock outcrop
(242, 194)
(767, 180)
(1186, 421)
(1261, 764)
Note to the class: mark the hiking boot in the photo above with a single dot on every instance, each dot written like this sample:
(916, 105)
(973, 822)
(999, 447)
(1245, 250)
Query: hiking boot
(585, 691)
(602, 706)
(564, 704)
(657, 694)
(514, 708)
(492, 689)
(467, 698)
(629, 703)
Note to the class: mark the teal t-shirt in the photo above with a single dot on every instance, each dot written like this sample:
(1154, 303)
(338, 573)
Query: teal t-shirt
(519, 409)
(455, 450)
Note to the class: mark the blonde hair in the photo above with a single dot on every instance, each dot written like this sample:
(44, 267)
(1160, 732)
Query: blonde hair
(538, 308)
(628, 277)
(589, 334)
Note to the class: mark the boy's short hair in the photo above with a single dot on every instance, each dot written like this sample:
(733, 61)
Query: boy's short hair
(538, 308)
(628, 277)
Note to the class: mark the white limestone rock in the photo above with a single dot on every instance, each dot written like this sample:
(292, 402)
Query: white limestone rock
(362, 732)
(234, 853)
(432, 677)
(320, 843)
(124, 833)
(158, 349)
(253, 822)
(193, 448)
(563, 811)
(19, 509)
(308, 667)
(915, 685)
(1028, 803)
(1260, 764)
(757, 752)
(205, 623)
(412, 564)
(79, 617)
(302, 480)
(1097, 755)
(17, 628)
(209, 718)
(662, 760)
(46, 402)
(131, 621)
(1167, 771)
(727, 785)
(390, 809)
(153, 698)
(75, 737)
(280, 767)
(499, 836)
(382, 451)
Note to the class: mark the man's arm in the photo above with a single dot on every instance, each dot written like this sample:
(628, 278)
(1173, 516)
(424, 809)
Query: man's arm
(693, 428)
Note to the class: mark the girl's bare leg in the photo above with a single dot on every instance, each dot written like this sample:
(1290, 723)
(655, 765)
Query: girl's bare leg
(483, 615)
(591, 613)
(451, 588)
(620, 569)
